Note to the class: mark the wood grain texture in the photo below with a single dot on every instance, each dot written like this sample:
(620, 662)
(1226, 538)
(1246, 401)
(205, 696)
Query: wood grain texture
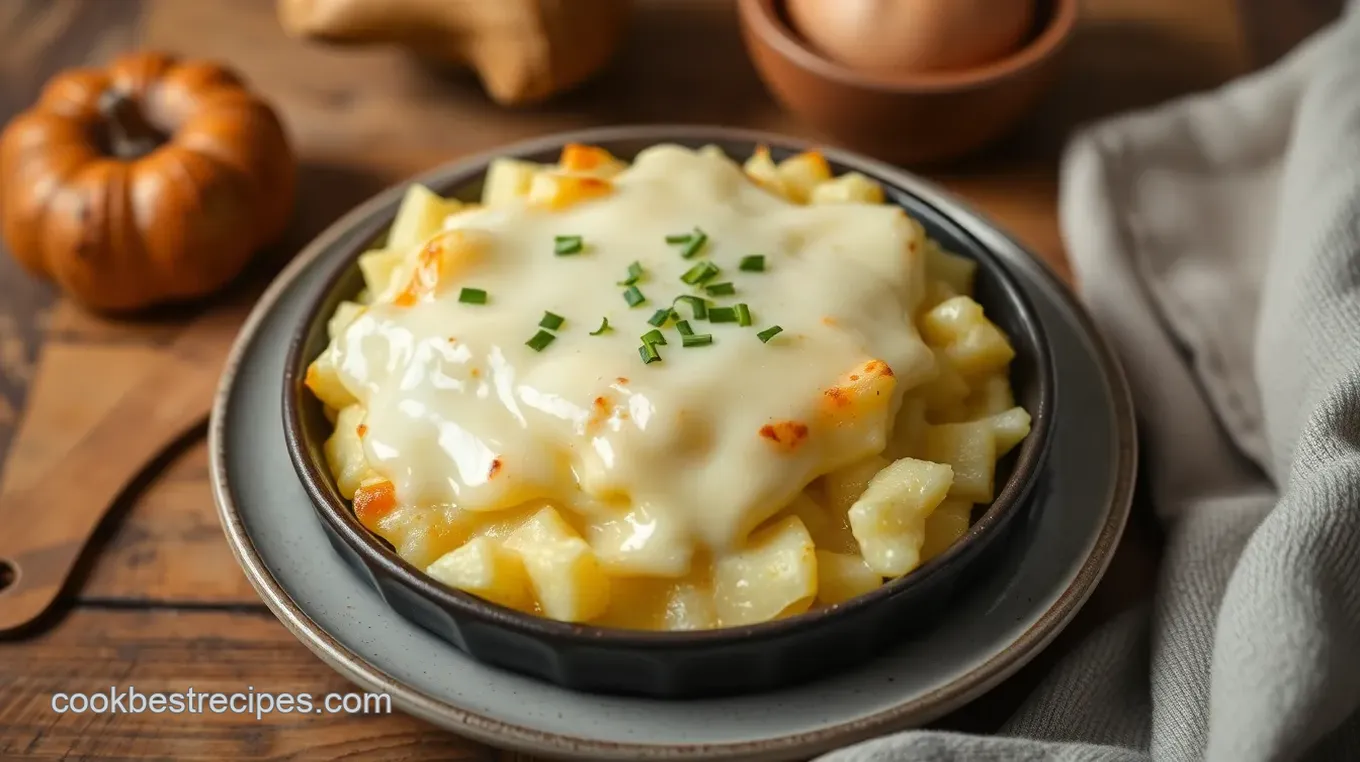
(37, 39)
(163, 603)
(169, 399)
(104, 646)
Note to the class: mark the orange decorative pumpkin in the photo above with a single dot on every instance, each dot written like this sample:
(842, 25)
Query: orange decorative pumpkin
(151, 181)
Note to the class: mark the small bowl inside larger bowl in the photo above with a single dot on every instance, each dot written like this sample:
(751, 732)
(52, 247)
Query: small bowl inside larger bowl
(908, 118)
(677, 664)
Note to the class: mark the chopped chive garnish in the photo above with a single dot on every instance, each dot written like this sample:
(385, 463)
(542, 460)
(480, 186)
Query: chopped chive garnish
(720, 289)
(743, 314)
(695, 244)
(684, 329)
(604, 326)
(660, 317)
(551, 322)
(472, 296)
(722, 315)
(700, 274)
(654, 337)
(633, 296)
(679, 237)
(649, 354)
(752, 264)
(696, 303)
(567, 244)
(769, 333)
(635, 272)
(540, 340)
(696, 340)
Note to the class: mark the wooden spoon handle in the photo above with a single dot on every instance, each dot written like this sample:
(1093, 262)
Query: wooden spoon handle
(48, 524)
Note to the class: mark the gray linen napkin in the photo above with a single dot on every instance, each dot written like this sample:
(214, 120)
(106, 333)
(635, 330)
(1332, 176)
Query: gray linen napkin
(1217, 242)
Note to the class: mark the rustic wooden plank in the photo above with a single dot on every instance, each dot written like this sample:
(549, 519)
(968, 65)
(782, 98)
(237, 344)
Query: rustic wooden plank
(37, 39)
(345, 101)
(169, 548)
(168, 651)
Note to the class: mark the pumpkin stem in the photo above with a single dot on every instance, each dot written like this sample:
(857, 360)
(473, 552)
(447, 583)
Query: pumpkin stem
(130, 136)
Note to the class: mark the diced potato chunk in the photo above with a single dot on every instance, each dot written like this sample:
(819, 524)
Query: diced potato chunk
(937, 291)
(566, 577)
(945, 393)
(557, 192)
(953, 269)
(714, 152)
(423, 533)
(973, 344)
(345, 313)
(889, 519)
(646, 603)
(690, 607)
(589, 160)
(849, 188)
(380, 267)
(439, 262)
(864, 391)
(764, 172)
(774, 575)
(828, 531)
(844, 486)
(991, 395)
(641, 542)
(945, 525)
(1010, 427)
(842, 576)
(375, 498)
(324, 382)
(485, 569)
(909, 430)
(507, 181)
(420, 215)
(802, 173)
(970, 449)
(344, 451)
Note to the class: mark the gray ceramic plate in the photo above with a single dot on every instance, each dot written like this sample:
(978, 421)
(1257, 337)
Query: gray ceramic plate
(1055, 560)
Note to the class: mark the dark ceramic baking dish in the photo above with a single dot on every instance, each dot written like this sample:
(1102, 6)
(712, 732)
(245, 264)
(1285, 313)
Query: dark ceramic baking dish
(679, 664)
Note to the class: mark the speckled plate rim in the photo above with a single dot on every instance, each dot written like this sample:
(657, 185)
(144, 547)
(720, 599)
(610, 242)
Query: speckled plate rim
(914, 711)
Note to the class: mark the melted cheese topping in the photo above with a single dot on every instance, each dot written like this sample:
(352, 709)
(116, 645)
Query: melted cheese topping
(652, 462)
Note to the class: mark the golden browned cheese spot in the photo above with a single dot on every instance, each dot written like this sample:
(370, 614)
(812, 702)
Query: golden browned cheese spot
(621, 380)
(817, 158)
(877, 368)
(854, 376)
(475, 373)
(829, 321)
(599, 413)
(785, 435)
(374, 501)
(361, 429)
(425, 279)
(579, 157)
(837, 396)
(495, 468)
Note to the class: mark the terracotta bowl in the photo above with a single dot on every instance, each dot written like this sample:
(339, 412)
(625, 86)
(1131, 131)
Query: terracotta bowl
(682, 664)
(907, 118)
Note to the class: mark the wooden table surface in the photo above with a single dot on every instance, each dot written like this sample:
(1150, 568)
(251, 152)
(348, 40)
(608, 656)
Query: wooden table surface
(162, 605)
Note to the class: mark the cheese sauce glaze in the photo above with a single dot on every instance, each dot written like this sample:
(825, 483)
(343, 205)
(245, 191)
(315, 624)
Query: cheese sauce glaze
(652, 461)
